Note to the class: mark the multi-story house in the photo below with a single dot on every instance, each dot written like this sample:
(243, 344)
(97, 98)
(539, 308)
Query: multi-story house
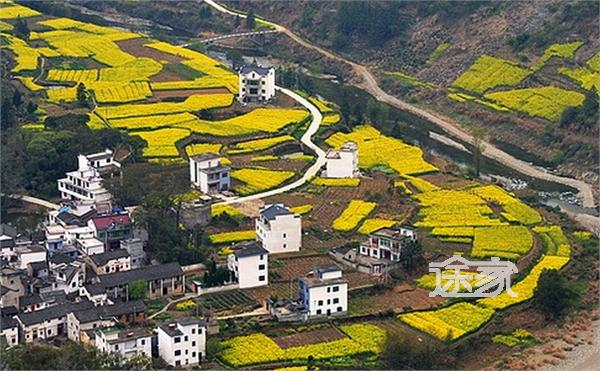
(9, 330)
(256, 84)
(182, 342)
(127, 342)
(387, 243)
(110, 262)
(111, 229)
(323, 292)
(135, 249)
(208, 174)
(8, 237)
(278, 229)
(342, 163)
(30, 254)
(161, 280)
(85, 183)
(49, 322)
(249, 264)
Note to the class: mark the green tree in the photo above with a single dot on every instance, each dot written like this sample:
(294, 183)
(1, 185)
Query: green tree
(139, 362)
(137, 289)
(250, 21)
(237, 21)
(82, 94)
(554, 294)
(478, 133)
(21, 29)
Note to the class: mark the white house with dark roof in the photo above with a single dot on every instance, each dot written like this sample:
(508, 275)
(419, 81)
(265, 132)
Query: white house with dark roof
(342, 163)
(30, 254)
(208, 174)
(256, 84)
(249, 264)
(182, 342)
(9, 330)
(85, 183)
(110, 261)
(127, 342)
(8, 238)
(324, 292)
(278, 229)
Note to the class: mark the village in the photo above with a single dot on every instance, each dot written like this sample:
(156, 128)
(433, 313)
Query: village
(218, 213)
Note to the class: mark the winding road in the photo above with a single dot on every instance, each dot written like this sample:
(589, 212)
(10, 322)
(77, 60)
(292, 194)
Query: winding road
(369, 84)
(306, 140)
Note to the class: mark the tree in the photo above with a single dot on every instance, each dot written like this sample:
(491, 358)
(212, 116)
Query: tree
(21, 29)
(250, 21)
(554, 294)
(82, 94)
(17, 99)
(585, 115)
(137, 289)
(401, 354)
(478, 133)
(139, 362)
(237, 21)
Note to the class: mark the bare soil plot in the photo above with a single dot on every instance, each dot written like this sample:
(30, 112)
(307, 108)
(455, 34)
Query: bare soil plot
(292, 268)
(136, 48)
(396, 300)
(309, 337)
(282, 290)
(161, 94)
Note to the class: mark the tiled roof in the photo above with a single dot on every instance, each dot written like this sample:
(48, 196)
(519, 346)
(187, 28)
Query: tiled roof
(270, 212)
(250, 248)
(263, 71)
(103, 222)
(105, 257)
(153, 272)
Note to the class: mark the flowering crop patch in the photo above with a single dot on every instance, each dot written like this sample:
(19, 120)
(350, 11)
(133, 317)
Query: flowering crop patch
(377, 149)
(524, 288)
(323, 106)
(257, 180)
(236, 236)
(547, 102)
(58, 95)
(30, 84)
(336, 182)
(453, 231)
(302, 209)
(264, 158)
(113, 92)
(555, 241)
(259, 144)
(371, 225)
(72, 75)
(151, 122)
(134, 70)
(402, 185)
(331, 119)
(489, 72)
(557, 50)
(515, 210)
(13, 11)
(588, 76)
(191, 103)
(255, 349)
(161, 142)
(356, 211)
(216, 210)
(198, 148)
(451, 322)
(428, 281)
(26, 58)
(504, 241)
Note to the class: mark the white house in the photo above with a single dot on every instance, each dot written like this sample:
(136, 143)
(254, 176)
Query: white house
(110, 261)
(85, 183)
(207, 173)
(9, 330)
(256, 84)
(387, 243)
(324, 292)
(278, 229)
(135, 248)
(182, 342)
(342, 163)
(30, 254)
(8, 236)
(249, 264)
(90, 246)
(127, 342)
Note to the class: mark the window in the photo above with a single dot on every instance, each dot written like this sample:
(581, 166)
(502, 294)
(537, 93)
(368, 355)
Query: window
(116, 347)
(285, 235)
(193, 331)
(193, 354)
(261, 267)
(143, 342)
(177, 363)
(329, 289)
(185, 338)
(261, 278)
(328, 301)
(262, 257)
(318, 311)
(336, 300)
(339, 309)
(199, 330)
(336, 288)
(193, 343)
(284, 245)
(186, 352)
(177, 340)
(177, 352)
(320, 302)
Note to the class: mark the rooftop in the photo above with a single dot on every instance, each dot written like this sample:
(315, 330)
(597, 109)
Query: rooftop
(172, 328)
(206, 156)
(107, 153)
(272, 211)
(125, 334)
(250, 248)
(153, 272)
(61, 259)
(103, 258)
(30, 249)
(391, 233)
(52, 312)
(8, 230)
(263, 71)
(316, 282)
(324, 268)
(105, 221)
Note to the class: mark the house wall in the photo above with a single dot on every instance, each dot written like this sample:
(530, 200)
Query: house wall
(127, 348)
(320, 299)
(189, 352)
(266, 86)
(115, 265)
(11, 335)
(31, 257)
(45, 330)
(283, 234)
(250, 271)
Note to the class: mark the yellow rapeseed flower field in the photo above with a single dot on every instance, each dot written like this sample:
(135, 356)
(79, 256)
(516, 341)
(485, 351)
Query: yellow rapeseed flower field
(259, 144)
(356, 211)
(161, 142)
(504, 241)
(371, 225)
(489, 72)
(13, 11)
(258, 180)
(375, 149)
(227, 237)
(336, 182)
(198, 148)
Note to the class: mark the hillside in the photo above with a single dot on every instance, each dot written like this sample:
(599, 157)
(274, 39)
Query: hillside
(419, 50)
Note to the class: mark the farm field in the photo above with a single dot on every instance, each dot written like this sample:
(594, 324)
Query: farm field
(226, 301)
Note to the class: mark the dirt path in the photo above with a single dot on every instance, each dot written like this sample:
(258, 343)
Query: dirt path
(369, 83)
